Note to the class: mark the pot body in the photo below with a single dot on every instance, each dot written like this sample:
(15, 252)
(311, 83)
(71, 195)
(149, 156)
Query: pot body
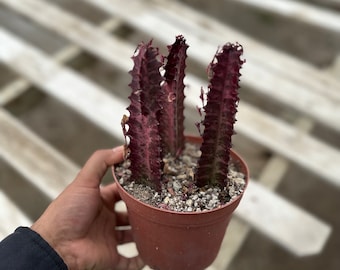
(168, 240)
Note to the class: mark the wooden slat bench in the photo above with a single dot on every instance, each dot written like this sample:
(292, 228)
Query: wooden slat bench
(315, 99)
(316, 16)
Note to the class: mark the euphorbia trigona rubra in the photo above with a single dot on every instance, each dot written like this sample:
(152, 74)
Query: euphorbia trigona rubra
(156, 120)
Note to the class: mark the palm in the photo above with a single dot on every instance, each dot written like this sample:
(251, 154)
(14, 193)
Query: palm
(81, 223)
(93, 235)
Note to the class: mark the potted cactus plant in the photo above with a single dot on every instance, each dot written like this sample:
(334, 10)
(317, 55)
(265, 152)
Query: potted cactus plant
(180, 190)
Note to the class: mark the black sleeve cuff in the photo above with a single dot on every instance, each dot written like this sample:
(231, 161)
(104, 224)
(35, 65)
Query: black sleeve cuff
(25, 249)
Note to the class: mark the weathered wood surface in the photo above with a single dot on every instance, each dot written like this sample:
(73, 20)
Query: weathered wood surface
(315, 95)
(279, 217)
(19, 86)
(53, 78)
(300, 11)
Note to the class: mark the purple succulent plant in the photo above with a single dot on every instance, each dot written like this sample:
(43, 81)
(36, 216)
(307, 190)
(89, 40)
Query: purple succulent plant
(220, 111)
(156, 120)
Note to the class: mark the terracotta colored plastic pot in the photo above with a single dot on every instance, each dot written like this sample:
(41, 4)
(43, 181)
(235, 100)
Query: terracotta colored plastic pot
(168, 240)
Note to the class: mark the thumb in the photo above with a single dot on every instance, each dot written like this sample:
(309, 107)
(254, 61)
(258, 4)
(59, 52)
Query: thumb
(97, 165)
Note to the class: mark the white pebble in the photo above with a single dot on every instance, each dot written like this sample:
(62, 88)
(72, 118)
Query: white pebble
(176, 185)
(189, 202)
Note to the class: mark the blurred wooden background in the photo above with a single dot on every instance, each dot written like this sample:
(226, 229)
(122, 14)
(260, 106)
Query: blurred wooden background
(63, 89)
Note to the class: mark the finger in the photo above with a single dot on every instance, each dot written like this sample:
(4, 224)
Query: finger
(122, 219)
(134, 263)
(97, 165)
(110, 195)
(124, 236)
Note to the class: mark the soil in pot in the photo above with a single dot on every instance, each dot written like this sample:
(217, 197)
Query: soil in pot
(179, 192)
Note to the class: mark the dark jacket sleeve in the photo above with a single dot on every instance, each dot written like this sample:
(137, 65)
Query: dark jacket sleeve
(26, 250)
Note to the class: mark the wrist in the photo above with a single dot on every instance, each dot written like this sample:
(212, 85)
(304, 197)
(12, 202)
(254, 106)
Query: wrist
(59, 246)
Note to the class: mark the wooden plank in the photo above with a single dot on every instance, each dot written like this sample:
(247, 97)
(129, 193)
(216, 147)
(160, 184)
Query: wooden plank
(11, 216)
(314, 94)
(87, 98)
(17, 87)
(289, 226)
(89, 37)
(98, 106)
(300, 11)
(13, 90)
(33, 158)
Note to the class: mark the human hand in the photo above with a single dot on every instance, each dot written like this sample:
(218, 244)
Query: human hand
(81, 224)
